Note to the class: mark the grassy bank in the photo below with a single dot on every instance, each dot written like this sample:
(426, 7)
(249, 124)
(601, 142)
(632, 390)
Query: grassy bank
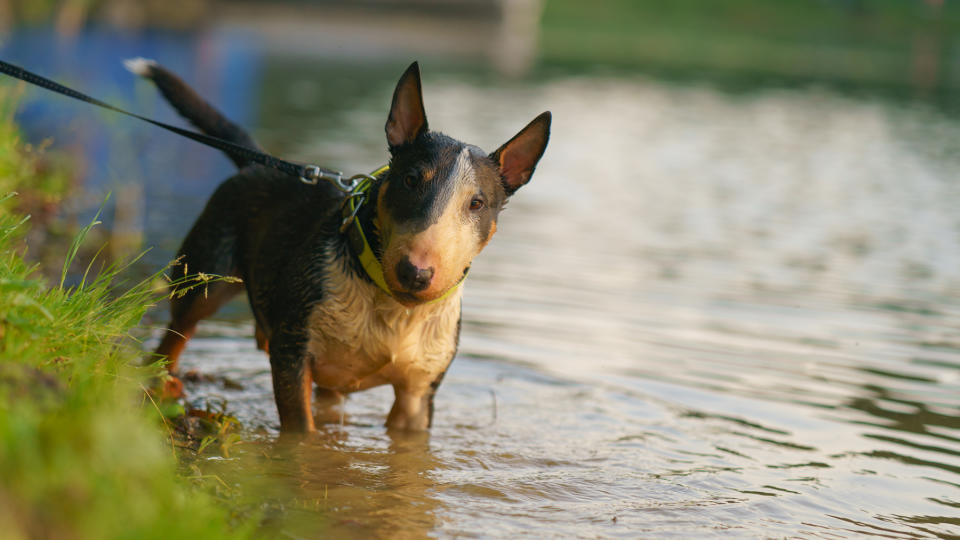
(84, 453)
(877, 42)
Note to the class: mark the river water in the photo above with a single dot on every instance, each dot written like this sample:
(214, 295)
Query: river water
(709, 314)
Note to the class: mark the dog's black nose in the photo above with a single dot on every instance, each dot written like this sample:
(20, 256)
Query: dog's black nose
(412, 278)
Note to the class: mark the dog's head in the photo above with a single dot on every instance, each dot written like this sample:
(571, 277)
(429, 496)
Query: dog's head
(438, 206)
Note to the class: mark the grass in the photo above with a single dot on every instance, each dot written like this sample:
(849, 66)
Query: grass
(875, 42)
(84, 453)
(23, 166)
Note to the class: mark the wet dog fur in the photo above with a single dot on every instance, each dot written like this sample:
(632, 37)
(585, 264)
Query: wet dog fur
(321, 319)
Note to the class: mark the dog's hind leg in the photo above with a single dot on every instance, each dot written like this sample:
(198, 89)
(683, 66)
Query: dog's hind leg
(189, 310)
(208, 249)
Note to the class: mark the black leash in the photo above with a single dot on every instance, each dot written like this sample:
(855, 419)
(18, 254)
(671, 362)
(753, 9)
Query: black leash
(309, 174)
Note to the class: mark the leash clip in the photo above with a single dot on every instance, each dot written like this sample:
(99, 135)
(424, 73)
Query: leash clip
(312, 175)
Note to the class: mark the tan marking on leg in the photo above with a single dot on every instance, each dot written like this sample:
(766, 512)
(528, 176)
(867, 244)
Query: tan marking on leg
(262, 342)
(172, 344)
(293, 398)
(307, 397)
(172, 388)
(184, 322)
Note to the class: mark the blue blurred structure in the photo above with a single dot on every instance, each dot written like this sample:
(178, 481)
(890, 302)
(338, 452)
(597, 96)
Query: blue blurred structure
(113, 151)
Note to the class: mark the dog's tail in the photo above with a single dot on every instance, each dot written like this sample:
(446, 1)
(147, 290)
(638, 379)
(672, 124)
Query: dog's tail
(193, 107)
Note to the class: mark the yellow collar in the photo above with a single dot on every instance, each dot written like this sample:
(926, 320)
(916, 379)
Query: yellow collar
(358, 238)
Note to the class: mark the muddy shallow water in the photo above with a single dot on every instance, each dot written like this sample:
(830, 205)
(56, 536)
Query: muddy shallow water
(708, 314)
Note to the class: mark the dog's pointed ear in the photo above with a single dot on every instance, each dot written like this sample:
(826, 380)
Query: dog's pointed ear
(519, 156)
(407, 118)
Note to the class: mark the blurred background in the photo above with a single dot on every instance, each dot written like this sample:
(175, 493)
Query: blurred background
(308, 77)
(726, 304)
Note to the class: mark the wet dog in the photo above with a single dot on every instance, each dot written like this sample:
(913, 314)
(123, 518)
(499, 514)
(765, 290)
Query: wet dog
(345, 296)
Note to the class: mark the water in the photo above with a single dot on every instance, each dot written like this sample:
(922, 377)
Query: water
(708, 314)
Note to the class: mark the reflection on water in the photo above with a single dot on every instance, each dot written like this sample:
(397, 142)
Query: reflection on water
(358, 485)
(708, 314)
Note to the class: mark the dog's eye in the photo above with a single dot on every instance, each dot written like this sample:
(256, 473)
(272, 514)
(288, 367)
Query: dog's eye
(476, 203)
(410, 181)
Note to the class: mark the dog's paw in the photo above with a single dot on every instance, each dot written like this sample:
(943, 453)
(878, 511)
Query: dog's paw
(168, 389)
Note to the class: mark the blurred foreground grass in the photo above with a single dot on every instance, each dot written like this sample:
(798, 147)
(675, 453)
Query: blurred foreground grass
(82, 448)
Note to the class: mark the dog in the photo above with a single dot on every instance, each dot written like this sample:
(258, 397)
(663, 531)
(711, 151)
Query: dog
(348, 297)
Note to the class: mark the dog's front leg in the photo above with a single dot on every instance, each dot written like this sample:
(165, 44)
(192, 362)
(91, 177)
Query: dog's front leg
(292, 383)
(412, 407)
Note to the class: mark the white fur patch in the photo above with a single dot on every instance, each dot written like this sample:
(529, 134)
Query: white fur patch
(139, 66)
(463, 171)
(359, 337)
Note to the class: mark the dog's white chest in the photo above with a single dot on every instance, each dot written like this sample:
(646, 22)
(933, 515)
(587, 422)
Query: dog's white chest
(359, 337)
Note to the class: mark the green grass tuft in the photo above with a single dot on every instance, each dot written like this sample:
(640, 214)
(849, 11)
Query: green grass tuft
(84, 453)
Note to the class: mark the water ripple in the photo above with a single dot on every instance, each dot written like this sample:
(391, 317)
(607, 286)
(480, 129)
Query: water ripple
(707, 315)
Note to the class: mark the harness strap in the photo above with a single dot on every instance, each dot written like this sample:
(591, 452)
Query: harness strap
(355, 233)
(307, 173)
